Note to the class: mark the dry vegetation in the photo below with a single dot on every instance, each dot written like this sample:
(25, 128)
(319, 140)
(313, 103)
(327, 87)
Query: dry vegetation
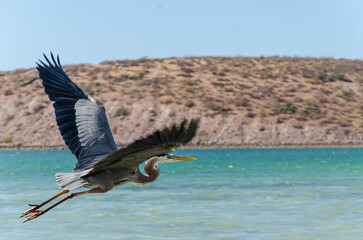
(242, 101)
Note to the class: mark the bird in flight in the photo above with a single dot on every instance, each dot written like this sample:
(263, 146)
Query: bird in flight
(101, 165)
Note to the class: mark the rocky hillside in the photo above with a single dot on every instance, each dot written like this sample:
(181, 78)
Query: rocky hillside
(242, 101)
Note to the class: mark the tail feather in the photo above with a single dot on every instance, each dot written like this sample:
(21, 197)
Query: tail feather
(69, 181)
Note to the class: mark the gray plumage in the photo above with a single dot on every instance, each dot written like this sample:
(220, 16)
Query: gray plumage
(85, 130)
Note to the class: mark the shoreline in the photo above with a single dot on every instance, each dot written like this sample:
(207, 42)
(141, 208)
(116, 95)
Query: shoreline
(24, 148)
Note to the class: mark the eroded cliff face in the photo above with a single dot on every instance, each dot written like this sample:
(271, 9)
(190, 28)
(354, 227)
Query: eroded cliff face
(241, 101)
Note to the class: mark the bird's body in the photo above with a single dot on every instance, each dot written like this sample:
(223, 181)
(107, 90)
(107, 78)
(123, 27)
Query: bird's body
(112, 178)
(101, 165)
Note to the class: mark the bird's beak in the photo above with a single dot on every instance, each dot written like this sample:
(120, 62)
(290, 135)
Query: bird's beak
(180, 158)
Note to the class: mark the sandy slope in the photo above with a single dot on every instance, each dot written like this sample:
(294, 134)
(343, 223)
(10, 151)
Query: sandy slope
(241, 101)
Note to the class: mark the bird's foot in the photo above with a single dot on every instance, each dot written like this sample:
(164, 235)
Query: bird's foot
(33, 215)
(32, 209)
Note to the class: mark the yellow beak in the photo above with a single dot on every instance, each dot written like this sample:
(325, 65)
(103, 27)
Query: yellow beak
(183, 158)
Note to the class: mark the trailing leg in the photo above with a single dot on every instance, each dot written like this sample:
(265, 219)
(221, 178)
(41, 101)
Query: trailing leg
(35, 207)
(36, 214)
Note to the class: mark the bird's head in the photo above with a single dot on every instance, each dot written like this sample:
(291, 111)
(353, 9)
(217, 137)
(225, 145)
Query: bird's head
(168, 158)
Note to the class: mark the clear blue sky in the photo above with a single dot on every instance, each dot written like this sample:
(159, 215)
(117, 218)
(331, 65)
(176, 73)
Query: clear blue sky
(94, 31)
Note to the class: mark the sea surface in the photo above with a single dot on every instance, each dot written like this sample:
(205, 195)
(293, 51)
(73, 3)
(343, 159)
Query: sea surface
(225, 194)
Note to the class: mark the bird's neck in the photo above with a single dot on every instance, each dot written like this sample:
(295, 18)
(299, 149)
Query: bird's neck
(152, 170)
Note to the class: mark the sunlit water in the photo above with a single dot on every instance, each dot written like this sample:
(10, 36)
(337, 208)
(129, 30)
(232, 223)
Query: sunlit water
(225, 194)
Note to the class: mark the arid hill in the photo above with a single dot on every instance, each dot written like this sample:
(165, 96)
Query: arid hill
(242, 101)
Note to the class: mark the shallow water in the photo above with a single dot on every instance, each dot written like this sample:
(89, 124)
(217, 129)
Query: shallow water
(225, 194)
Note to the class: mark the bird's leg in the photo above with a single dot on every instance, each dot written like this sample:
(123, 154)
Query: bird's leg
(35, 207)
(36, 214)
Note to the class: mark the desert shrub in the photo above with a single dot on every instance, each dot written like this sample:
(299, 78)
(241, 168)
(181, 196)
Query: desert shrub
(341, 77)
(218, 84)
(140, 75)
(167, 100)
(242, 102)
(121, 112)
(245, 75)
(288, 109)
(298, 99)
(219, 73)
(314, 80)
(250, 115)
(6, 139)
(38, 108)
(187, 70)
(344, 122)
(152, 112)
(189, 104)
(327, 120)
(322, 76)
(305, 74)
(215, 107)
(8, 92)
(185, 75)
(325, 91)
(280, 106)
(322, 99)
(268, 90)
(229, 89)
(18, 103)
(210, 103)
(310, 112)
(189, 81)
(315, 110)
(266, 74)
(121, 78)
(348, 94)
(158, 93)
(221, 109)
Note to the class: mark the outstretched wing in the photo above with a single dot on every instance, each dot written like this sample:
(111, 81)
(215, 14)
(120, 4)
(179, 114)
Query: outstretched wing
(81, 121)
(161, 141)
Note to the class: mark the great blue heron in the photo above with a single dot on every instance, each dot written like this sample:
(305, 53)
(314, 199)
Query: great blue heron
(85, 130)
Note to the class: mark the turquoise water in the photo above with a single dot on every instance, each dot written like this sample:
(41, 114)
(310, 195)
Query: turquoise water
(225, 194)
